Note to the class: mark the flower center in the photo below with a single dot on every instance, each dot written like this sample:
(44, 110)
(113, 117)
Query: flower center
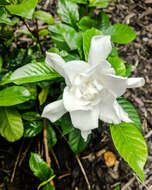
(86, 88)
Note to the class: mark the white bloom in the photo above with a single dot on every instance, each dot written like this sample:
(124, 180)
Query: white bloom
(92, 89)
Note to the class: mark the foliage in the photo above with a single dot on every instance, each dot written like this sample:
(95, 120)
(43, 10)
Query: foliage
(28, 83)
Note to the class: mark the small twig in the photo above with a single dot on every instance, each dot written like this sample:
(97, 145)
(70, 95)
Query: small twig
(25, 152)
(35, 33)
(48, 160)
(83, 171)
(37, 36)
(138, 179)
(16, 162)
(128, 183)
(27, 26)
(64, 175)
(55, 158)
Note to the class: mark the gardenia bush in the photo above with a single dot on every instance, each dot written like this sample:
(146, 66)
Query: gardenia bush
(81, 70)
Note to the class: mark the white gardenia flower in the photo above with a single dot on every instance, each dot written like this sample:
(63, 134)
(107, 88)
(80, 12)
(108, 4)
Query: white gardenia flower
(92, 89)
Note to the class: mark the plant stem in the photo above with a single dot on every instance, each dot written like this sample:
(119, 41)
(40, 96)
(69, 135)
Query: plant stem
(37, 36)
(48, 160)
(83, 171)
(35, 33)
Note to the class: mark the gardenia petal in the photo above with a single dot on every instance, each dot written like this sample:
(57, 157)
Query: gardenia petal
(72, 103)
(85, 120)
(85, 134)
(99, 50)
(116, 84)
(107, 110)
(135, 82)
(56, 62)
(73, 68)
(123, 116)
(54, 111)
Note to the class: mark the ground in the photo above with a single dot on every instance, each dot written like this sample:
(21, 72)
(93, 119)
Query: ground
(138, 14)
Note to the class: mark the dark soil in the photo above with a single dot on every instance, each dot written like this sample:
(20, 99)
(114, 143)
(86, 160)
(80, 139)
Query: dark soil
(137, 14)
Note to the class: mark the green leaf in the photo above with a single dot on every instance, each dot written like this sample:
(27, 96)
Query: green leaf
(14, 95)
(6, 20)
(79, 1)
(43, 95)
(87, 40)
(118, 65)
(68, 12)
(40, 168)
(25, 9)
(51, 137)
(76, 142)
(131, 145)
(32, 72)
(128, 70)
(32, 128)
(133, 115)
(63, 36)
(44, 17)
(48, 187)
(45, 184)
(11, 126)
(117, 188)
(103, 21)
(86, 22)
(66, 124)
(43, 33)
(99, 3)
(121, 33)
(32, 88)
(31, 116)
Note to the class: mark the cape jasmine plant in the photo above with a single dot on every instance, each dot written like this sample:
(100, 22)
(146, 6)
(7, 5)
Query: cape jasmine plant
(91, 90)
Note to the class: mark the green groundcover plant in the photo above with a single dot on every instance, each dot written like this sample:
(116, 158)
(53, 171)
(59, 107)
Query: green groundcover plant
(82, 71)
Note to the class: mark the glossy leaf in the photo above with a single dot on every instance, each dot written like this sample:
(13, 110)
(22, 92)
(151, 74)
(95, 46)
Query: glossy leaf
(6, 20)
(76, 142)
(86, 22)
(32, 72)
(43, 33)
(51, 137)
(99, 3)
(39, 167)
(14, 95)
(131, 145)
(31, 116)
(103, 21)
(87, 40)
(66, 124)
(63, 36)
(68, 12)
(118, 65)
(11, 126)
(44, 17)
(48, 187)
(25, 9)
(43, 95)
(133, 115)
(46, 184)
(32, 128)
(121, 33)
